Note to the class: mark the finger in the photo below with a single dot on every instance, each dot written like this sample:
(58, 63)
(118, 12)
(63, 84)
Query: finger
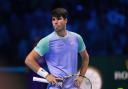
(59, 79)
(53, 83)
(77, 83)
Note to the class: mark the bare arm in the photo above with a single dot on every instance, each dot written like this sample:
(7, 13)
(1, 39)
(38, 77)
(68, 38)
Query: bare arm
(31, 60)
(85, 62)
(83, 68)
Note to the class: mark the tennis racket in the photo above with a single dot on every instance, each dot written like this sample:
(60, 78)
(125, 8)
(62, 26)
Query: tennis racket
(86, 83)
(68, 80)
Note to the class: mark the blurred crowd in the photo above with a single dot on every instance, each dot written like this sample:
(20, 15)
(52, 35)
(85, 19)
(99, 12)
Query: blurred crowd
(103, 24)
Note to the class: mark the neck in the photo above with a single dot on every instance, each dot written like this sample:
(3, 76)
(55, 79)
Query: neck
(62, 33)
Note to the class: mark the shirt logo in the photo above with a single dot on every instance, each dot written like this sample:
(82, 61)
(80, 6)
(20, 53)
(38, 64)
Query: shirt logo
(72, 42)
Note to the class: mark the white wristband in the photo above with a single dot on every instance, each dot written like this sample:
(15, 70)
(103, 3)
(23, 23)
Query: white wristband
(41, 72)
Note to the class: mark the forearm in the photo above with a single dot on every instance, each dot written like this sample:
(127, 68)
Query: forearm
(32, 64)
(31, 61)
(85, 63)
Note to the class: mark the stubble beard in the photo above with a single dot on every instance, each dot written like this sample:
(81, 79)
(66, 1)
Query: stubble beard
(59, 29)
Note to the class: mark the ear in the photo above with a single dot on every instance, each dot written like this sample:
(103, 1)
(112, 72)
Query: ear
(66, 20)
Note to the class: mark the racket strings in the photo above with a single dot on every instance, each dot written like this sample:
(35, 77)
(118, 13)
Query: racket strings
(69, 83)
(86, 84)
(89, 81)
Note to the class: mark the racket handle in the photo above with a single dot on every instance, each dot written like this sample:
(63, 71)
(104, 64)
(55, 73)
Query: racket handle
(37, 79)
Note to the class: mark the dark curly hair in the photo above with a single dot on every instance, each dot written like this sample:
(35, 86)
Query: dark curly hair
(58, 12)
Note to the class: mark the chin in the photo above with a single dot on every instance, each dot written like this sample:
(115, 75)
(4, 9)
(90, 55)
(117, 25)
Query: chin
(58, 30)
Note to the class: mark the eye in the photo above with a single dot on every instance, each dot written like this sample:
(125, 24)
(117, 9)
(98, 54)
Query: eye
(53, 19)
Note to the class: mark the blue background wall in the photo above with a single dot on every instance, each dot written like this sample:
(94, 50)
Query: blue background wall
(103, 24)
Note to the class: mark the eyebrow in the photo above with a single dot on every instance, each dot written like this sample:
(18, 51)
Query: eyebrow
(56, 18)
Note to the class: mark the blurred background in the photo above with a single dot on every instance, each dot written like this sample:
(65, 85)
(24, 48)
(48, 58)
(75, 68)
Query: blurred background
(103, 24)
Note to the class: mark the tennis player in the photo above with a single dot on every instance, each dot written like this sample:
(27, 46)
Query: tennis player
(60, 50)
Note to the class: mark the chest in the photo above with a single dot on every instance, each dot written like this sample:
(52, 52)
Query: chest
(63, 45)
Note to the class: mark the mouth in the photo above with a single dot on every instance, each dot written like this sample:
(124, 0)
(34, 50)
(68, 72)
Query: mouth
(56, 27)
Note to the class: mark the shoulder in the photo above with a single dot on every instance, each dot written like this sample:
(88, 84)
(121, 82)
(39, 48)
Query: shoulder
(47, 38)
(74, 34)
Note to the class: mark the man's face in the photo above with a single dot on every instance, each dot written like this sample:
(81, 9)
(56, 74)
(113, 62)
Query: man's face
(59, 23)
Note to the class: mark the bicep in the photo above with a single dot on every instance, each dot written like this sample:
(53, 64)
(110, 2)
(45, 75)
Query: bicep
(31, 60)
(33, 55)
(84, 54)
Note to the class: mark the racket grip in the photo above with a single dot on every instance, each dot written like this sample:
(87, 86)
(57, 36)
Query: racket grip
(37, 79)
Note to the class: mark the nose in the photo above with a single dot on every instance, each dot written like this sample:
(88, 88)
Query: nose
(56, 21)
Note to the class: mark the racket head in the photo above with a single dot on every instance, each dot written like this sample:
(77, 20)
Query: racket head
(86, 83)
(69, 83)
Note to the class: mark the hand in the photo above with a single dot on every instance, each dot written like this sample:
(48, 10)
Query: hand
(78, 81)
(52, 79)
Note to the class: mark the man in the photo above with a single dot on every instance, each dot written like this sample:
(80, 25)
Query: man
(60, 50)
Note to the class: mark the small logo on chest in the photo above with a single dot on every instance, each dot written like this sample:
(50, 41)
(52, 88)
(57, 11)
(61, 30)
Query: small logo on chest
(72, 41)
